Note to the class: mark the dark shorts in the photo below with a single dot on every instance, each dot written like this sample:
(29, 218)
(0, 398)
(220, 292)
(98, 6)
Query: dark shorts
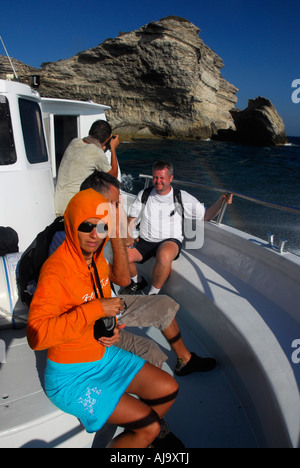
(148, 249)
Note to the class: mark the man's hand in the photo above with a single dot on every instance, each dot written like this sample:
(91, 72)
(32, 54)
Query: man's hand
(215, 209)
(227, 197)
(114, 142)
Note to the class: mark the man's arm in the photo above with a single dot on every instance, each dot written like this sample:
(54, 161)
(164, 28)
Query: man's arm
(215, 209)
(134, 218)
(119, 269)
(131, 226)
(114, 143)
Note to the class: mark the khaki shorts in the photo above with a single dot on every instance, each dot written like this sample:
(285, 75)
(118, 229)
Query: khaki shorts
(145, 311)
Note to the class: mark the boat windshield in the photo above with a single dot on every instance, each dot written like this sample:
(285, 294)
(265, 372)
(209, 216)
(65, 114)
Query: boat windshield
(32, 127)
(7, 147)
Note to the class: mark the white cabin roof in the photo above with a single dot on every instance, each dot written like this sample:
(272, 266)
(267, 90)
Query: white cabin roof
(70, 107)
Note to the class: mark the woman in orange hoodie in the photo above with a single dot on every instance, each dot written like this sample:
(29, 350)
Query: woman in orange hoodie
(83, 377)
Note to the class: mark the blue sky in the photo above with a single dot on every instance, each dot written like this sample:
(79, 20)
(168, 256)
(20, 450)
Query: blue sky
(259, 41)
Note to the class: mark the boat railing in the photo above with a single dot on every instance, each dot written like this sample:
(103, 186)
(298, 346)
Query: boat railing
(286, 208)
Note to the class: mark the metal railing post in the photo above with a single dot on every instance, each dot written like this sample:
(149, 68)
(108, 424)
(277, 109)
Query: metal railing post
(222, 212)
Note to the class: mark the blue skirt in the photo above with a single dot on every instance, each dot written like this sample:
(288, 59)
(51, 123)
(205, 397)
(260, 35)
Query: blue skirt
(92, 390)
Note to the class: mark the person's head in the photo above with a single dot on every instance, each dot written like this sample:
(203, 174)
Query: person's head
(87, 222)
(162, 172)
(101, 131)
(104, 183)
(92, 233)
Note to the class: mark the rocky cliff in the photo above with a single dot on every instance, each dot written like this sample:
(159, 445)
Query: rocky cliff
(258, 124)
(160, 80)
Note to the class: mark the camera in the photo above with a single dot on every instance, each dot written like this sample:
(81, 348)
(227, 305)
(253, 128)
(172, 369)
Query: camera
(107, 145)
(104, 327)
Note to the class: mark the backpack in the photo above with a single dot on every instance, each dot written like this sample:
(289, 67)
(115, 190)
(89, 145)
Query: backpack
(9, 241)
(33, 258)
(177, 201)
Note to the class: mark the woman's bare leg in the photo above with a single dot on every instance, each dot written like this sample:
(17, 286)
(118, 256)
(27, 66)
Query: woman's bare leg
(141, 423)
(141, 420)
(155, 386)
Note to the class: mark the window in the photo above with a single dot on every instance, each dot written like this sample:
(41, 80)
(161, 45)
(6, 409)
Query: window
(7, 146)
(32, 127)
(65, 128)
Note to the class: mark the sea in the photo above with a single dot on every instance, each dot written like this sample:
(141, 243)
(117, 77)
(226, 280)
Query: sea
(266, 173)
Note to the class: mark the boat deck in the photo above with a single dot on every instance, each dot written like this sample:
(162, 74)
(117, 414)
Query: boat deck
(242, 309)
(207, 412)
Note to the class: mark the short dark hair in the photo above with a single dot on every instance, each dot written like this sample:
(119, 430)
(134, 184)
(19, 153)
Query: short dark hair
(101, 130)
(101, 182)
(159, 165)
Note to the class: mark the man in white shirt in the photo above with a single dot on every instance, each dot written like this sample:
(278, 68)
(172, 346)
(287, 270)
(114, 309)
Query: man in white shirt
(161, 227)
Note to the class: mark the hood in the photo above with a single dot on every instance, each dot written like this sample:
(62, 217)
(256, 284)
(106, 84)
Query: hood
(84, 205)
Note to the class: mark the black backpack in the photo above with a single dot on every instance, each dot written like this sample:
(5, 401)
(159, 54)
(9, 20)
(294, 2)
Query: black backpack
(9, 241)
(177, 202)
(33, 258)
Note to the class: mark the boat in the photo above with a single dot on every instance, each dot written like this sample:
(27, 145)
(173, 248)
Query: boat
(239, 302)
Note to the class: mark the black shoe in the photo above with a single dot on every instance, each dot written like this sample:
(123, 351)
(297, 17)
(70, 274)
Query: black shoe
(166, 439)
(195, 364)
(133, 287)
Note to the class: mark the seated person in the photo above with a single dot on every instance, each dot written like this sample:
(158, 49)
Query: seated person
(161, 227)
(82, 377)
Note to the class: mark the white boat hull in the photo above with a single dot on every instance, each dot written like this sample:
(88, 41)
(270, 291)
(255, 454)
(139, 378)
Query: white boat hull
(242, 300)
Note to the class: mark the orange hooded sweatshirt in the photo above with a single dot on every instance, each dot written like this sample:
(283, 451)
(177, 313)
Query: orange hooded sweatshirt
(64, 307)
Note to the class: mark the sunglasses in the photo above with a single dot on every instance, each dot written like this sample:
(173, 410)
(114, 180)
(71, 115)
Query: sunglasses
(101, 228)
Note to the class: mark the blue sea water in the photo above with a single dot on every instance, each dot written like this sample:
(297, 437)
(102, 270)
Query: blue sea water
(266, 173)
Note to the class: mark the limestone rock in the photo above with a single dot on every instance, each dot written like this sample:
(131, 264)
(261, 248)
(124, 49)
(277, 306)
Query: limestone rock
(160, 81)
(23, 71)
(258, 124)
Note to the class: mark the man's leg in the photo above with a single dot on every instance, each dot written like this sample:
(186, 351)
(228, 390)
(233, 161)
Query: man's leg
(173, 336)
(186, 362)
(133, 256)
(165, 254)
(137, 283)
(143, 347)
(147, 311)
(160, 312)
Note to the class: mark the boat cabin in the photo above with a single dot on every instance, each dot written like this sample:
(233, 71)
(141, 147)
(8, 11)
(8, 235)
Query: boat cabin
(30, 157)
(34, 134)
(66, 119)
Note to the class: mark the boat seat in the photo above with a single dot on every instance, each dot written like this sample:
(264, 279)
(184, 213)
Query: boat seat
(248, 329)
(28, 418)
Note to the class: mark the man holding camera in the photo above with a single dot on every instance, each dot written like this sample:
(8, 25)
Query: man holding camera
(81, 158)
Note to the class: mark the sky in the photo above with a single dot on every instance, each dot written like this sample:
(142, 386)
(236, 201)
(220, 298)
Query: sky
(259, 41)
